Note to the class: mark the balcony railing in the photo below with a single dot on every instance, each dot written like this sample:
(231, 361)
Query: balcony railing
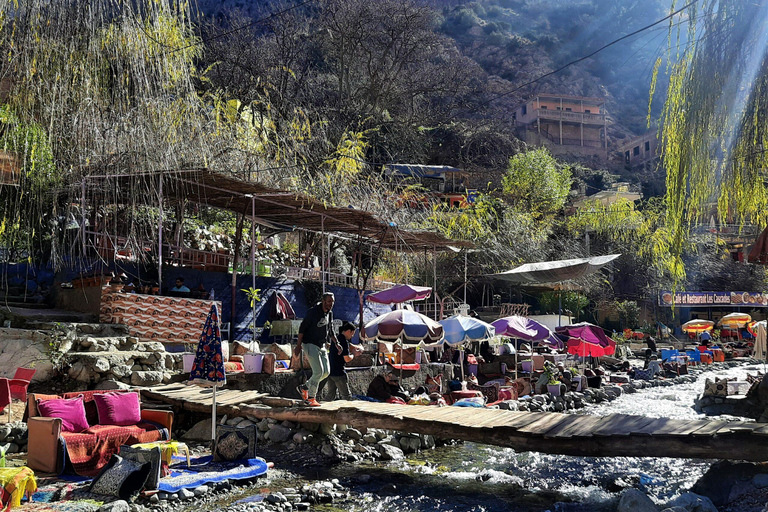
(343, 280)
(574, 117)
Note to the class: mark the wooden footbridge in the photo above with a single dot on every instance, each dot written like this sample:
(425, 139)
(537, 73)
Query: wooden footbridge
(554, 433)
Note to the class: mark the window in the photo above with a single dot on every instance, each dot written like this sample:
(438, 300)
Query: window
(543, 107)
(525, 110)
(636, 151)
(558, 108)
(627, 159)
(587, 111)
(647, 146)
(568, 109)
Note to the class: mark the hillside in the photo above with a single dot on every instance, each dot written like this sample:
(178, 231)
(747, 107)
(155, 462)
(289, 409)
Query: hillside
(501, 45)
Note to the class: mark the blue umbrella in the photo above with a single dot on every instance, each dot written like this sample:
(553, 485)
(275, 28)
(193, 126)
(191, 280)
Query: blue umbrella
(208, 368)
(458, 329)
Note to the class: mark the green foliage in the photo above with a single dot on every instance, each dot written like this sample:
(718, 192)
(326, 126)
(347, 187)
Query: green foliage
(574, 302)
(536, 182)
(252, 294)
(629, 313)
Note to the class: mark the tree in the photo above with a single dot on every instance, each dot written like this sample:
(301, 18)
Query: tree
(715, 116)
(574, 302)
(536, 182)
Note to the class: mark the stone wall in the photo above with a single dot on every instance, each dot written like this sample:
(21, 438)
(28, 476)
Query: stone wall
(25, 348)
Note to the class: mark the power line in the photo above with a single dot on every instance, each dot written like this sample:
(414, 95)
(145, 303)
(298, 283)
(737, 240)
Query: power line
(580, 59)
(242, 27)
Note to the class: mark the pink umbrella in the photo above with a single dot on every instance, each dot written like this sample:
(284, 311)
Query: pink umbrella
(591, 334)
(400, 293)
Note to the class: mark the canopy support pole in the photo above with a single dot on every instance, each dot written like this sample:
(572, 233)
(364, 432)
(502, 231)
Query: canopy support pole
(434, 279)
(160, 238)
(83, 217)
(322, 251)
(253, 266)
(465, 276)
(559, 307)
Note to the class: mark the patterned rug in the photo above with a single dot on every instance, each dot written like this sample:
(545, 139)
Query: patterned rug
(63, 506)
(204, 471)
(50, 493)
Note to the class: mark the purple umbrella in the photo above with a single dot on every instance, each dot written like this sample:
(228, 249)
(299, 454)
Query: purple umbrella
(526, 329)
(588, 332)
(400, 293)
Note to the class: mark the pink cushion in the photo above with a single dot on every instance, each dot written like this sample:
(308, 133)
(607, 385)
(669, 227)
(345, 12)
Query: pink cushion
(70, 410)
(118, 408)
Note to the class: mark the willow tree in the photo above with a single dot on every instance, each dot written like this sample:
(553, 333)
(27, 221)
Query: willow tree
(715, 117)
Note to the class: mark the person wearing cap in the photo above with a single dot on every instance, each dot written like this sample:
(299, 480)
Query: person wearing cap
(315, 332)
(386, 386)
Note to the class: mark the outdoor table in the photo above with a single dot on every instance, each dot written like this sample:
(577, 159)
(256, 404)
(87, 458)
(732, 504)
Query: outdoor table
(168, 449)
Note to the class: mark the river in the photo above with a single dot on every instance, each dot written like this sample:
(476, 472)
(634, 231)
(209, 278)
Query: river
(472, 477)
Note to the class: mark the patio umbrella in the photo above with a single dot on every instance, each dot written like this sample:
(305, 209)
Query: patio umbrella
(461, 328)
(400, 293)
(735, 320)
(523, 328)
(402, 325)
(208, 368)
(698, 326)
(589, 333)
(583, 348)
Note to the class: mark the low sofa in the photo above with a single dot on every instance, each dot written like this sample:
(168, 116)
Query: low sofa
(51, 448)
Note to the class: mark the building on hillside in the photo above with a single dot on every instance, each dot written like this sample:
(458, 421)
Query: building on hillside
(448, 184)
(642, 151)
(618, 191)
(566, 125)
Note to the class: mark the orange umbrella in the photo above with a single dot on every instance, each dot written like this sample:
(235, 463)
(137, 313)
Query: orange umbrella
(735, 320)
(698, 326)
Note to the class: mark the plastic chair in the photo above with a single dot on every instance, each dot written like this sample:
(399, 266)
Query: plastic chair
(20, 382)
(667, 354)
(694, 356)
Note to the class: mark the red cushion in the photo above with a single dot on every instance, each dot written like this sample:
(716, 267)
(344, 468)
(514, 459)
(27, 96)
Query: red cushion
(71, 412)
(118, 408)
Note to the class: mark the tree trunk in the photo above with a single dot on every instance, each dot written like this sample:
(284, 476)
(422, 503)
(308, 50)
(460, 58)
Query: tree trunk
(235, 261)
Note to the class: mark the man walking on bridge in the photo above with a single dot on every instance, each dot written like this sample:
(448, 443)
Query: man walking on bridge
(315, 333)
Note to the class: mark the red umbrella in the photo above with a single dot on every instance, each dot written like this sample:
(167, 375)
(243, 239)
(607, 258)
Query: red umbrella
(583, 348)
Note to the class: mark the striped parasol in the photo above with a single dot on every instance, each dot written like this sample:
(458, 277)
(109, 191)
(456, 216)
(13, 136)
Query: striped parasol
(698, 326)
(735, 320)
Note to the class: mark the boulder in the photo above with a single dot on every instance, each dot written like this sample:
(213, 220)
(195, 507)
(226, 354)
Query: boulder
(633, 500)
(101, 365)
(115, 506)
(201, 431)
(144, 378)
(410, 444)
(279, 434)
(79, 372)
(693, 503)
(389, 452)
(111, 384)
(353, 434)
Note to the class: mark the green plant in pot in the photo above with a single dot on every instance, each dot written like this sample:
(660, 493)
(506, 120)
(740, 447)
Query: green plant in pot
(553, 375)
(254, 297)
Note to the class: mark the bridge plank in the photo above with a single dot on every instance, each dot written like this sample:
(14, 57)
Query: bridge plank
(676, 427)
(524, 419)
(737, 426)
(576, 426)
(620, 425)
(544, 425)
(709, 429)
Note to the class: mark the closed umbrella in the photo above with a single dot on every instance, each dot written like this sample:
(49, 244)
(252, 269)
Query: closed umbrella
(208, 368)
(761, 349)
(461, 328)
(402, 325)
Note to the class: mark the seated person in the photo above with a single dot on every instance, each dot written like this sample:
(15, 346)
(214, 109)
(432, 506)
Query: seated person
(384, 387)
(654, 366)
(180, 288)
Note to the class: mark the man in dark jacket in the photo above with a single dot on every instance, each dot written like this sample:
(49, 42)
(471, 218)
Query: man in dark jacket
(384, 387)
(315, 332)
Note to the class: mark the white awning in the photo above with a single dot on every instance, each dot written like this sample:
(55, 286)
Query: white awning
(555, 271)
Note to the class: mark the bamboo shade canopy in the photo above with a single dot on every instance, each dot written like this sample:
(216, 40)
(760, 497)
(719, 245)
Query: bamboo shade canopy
(273, 207)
